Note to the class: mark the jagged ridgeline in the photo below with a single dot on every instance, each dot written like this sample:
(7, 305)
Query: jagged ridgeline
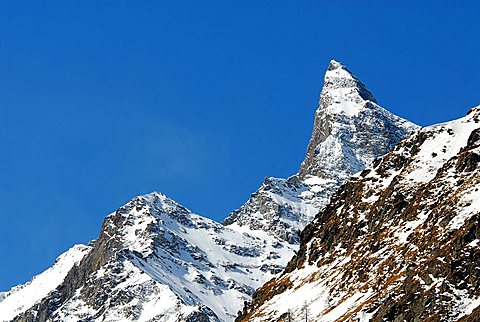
(398, 242)
(155, 260)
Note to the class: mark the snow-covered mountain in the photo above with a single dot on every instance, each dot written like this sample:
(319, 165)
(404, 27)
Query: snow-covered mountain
(398, 242)
(155, 260)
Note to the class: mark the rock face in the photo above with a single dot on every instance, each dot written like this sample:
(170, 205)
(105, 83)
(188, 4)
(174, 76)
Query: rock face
(398, 242)
(155, 260)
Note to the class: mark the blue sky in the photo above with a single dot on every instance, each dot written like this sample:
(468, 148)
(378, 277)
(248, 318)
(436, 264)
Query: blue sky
(103, 101)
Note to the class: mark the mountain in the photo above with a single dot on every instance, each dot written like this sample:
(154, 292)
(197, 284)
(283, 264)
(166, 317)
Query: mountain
(350, 131)
(398, 242)
(155, 260)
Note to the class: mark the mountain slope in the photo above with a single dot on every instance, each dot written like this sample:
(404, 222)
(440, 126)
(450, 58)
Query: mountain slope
(398, 242)
(155, 260)
(21, 298)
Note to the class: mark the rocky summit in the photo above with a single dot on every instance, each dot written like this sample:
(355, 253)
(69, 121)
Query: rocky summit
(398, 242)
(350, 131)
(155, 260)
(350, 128)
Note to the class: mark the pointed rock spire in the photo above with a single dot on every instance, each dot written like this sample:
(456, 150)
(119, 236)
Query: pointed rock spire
(334, 65)
(339, 79)
(350, 128)
(350, 131)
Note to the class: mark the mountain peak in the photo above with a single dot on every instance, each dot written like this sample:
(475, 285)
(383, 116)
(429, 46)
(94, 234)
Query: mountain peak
(346, 117)
(350, 131)
(334, 64)
(340, 83)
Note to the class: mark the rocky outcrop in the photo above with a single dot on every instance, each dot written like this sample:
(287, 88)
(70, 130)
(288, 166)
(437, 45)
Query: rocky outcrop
(398, 242)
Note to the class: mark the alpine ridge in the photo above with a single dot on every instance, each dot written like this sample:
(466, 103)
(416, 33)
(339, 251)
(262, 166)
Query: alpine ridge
(397, 242)
(156, 260)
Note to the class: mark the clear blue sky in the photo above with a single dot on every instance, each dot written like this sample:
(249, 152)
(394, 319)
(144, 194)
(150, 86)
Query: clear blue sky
(101, 101)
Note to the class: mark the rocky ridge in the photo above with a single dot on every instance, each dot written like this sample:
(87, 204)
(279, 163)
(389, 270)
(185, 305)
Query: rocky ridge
(155, 260)
(397, 242)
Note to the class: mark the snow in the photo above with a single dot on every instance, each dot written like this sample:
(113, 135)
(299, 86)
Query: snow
(152, 299)
(463, 304)
(283, 207)
(317, 181)
(365, 317)
(344, 307)
(409, 227)
(79, 307)
(468, 306)
(471, 202)
(21, 298)
(342, 91)
(473, 243)
(350, 128)
(449, 138)
(316, 298)
(297, 204)
(138, 224)
(323, 306)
